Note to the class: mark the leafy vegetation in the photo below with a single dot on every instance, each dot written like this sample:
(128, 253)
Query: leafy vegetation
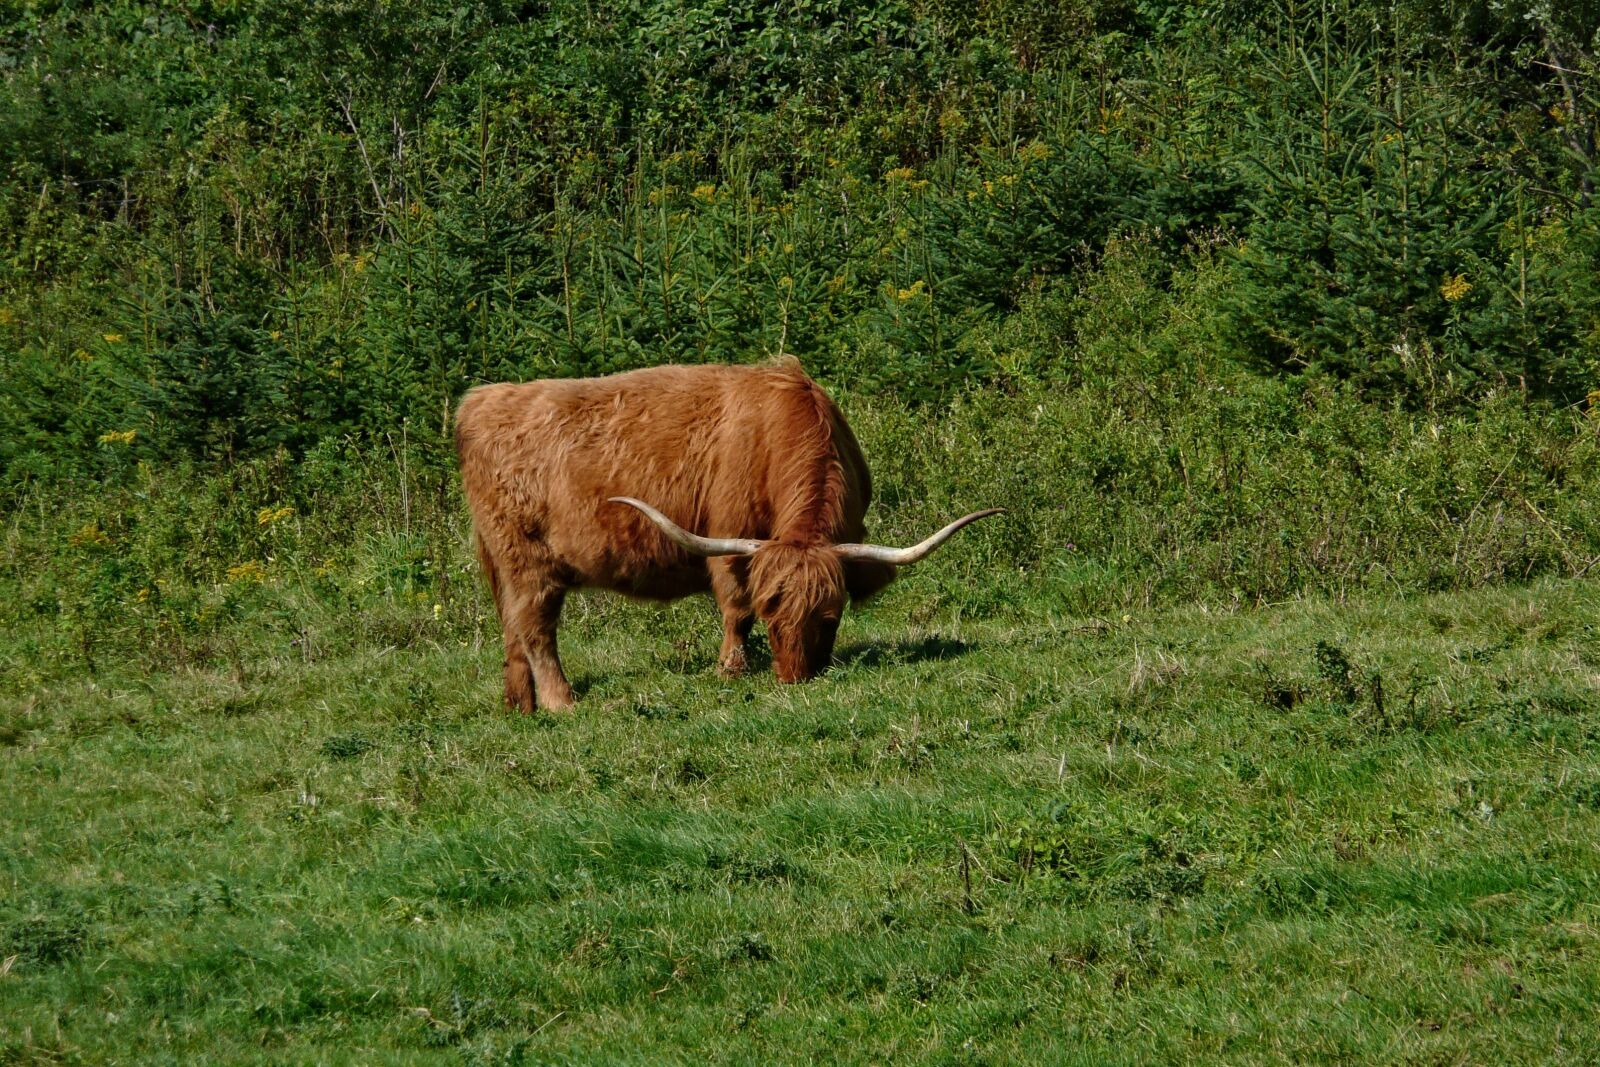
(1259, 729)
(231, 229)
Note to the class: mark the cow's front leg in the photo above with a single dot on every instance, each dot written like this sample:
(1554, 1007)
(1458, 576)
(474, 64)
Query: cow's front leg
(727, 585)
(735, 632)
(536, 617)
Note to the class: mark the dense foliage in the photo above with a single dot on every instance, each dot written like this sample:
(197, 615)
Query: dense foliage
(229, 228)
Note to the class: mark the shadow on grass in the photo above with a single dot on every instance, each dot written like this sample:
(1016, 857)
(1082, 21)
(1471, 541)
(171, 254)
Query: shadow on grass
(583, 684)
(921, 650)
(868, 653)
(864, 654)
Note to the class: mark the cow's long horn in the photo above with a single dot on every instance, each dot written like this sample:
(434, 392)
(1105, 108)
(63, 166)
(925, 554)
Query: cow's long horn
(904, 557)
(700, 546)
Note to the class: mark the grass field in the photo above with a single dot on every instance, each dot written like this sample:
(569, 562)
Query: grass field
(1312, 832)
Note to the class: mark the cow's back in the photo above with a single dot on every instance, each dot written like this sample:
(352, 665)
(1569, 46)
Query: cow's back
(726, 451)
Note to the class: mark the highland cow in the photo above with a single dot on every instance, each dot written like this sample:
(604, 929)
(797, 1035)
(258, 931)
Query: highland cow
(584, 483)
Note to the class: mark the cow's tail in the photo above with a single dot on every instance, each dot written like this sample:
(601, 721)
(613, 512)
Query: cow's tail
(461, 431)
(491, 573)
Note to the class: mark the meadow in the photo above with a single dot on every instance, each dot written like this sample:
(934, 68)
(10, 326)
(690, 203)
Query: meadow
(1312, 832)
(273, 812)
(1261, 729)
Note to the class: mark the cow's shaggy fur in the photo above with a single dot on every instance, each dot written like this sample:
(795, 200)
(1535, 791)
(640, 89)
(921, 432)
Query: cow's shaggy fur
(751, 452)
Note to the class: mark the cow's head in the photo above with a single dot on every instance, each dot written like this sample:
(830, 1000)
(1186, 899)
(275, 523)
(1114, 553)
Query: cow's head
(799, 590)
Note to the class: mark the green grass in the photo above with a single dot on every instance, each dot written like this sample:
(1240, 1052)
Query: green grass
(1313, 832)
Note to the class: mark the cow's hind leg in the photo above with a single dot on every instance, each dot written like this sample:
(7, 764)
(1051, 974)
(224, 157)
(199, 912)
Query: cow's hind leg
(518, 675)
(531, 623)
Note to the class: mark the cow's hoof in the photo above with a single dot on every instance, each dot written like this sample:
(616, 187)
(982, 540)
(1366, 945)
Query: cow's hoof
(559, 703)
(732, 665)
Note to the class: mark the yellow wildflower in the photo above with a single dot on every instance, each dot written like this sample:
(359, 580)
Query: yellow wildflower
(143, 595)
(1558, 113)
(247, 573)
(118, 437)
(268, 516)
(1455, 287)
(1594, 401)
(438, 612)
(1033, 151)
(88, 534)
(705, 193)
(7, 316)
(899, 174)
(912, 293)
(111, 338)
(82, 355)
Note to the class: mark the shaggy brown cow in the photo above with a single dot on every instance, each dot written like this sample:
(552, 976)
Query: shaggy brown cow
(564, 478)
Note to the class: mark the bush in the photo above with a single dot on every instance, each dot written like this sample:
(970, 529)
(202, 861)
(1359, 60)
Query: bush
(1218, 283)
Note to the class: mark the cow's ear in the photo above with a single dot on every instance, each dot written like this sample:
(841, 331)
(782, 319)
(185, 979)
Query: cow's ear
(862, 578)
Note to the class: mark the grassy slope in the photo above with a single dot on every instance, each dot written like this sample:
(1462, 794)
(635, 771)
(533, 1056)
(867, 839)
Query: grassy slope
(1186, 836)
